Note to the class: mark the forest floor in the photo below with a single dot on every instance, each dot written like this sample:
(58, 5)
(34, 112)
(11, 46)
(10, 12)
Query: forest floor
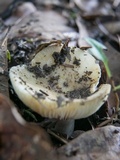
(24, 26)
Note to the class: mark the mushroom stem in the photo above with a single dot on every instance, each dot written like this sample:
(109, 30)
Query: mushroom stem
(65, 127)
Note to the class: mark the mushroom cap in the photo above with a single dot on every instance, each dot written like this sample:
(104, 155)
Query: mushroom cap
(60, 83)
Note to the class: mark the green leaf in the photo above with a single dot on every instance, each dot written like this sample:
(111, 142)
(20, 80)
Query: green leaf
(93, 42)
(8, 55)
(29, 113)
(97, 49)
(117, 88)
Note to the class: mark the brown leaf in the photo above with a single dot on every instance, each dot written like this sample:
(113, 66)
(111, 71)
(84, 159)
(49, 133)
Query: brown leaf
(86, 5)
(114, 64)
(93, 9)
(19, 140)
(100, 144)
(3, 67)
(43, 25)
(83, 33)
(20, 12)
(112, 26)
(4, 4)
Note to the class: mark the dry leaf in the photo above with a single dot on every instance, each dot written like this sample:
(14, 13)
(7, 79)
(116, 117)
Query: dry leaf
(99, 144)
(83, 33)
(43, 25)
(19, 140)
(3, 67)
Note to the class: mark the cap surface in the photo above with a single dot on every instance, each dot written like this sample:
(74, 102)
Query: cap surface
(60, 83)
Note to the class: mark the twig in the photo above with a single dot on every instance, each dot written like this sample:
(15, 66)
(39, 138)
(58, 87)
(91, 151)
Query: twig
(108, 120)
(57, 136)
(116, 95)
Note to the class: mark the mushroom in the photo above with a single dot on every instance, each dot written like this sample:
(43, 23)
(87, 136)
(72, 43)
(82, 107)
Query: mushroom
(60, 82)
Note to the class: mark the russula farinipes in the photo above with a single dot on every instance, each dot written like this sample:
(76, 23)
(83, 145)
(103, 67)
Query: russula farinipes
(60, 82)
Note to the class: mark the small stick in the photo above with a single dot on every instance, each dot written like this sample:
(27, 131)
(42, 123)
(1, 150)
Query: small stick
(57, 136)
(68, 65)
(108, 120)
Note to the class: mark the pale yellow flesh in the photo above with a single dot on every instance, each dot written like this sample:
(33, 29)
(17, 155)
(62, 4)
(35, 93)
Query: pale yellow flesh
(53, 103)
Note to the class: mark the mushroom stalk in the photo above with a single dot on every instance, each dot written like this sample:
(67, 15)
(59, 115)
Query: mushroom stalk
(61, 83)
(65, 127)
